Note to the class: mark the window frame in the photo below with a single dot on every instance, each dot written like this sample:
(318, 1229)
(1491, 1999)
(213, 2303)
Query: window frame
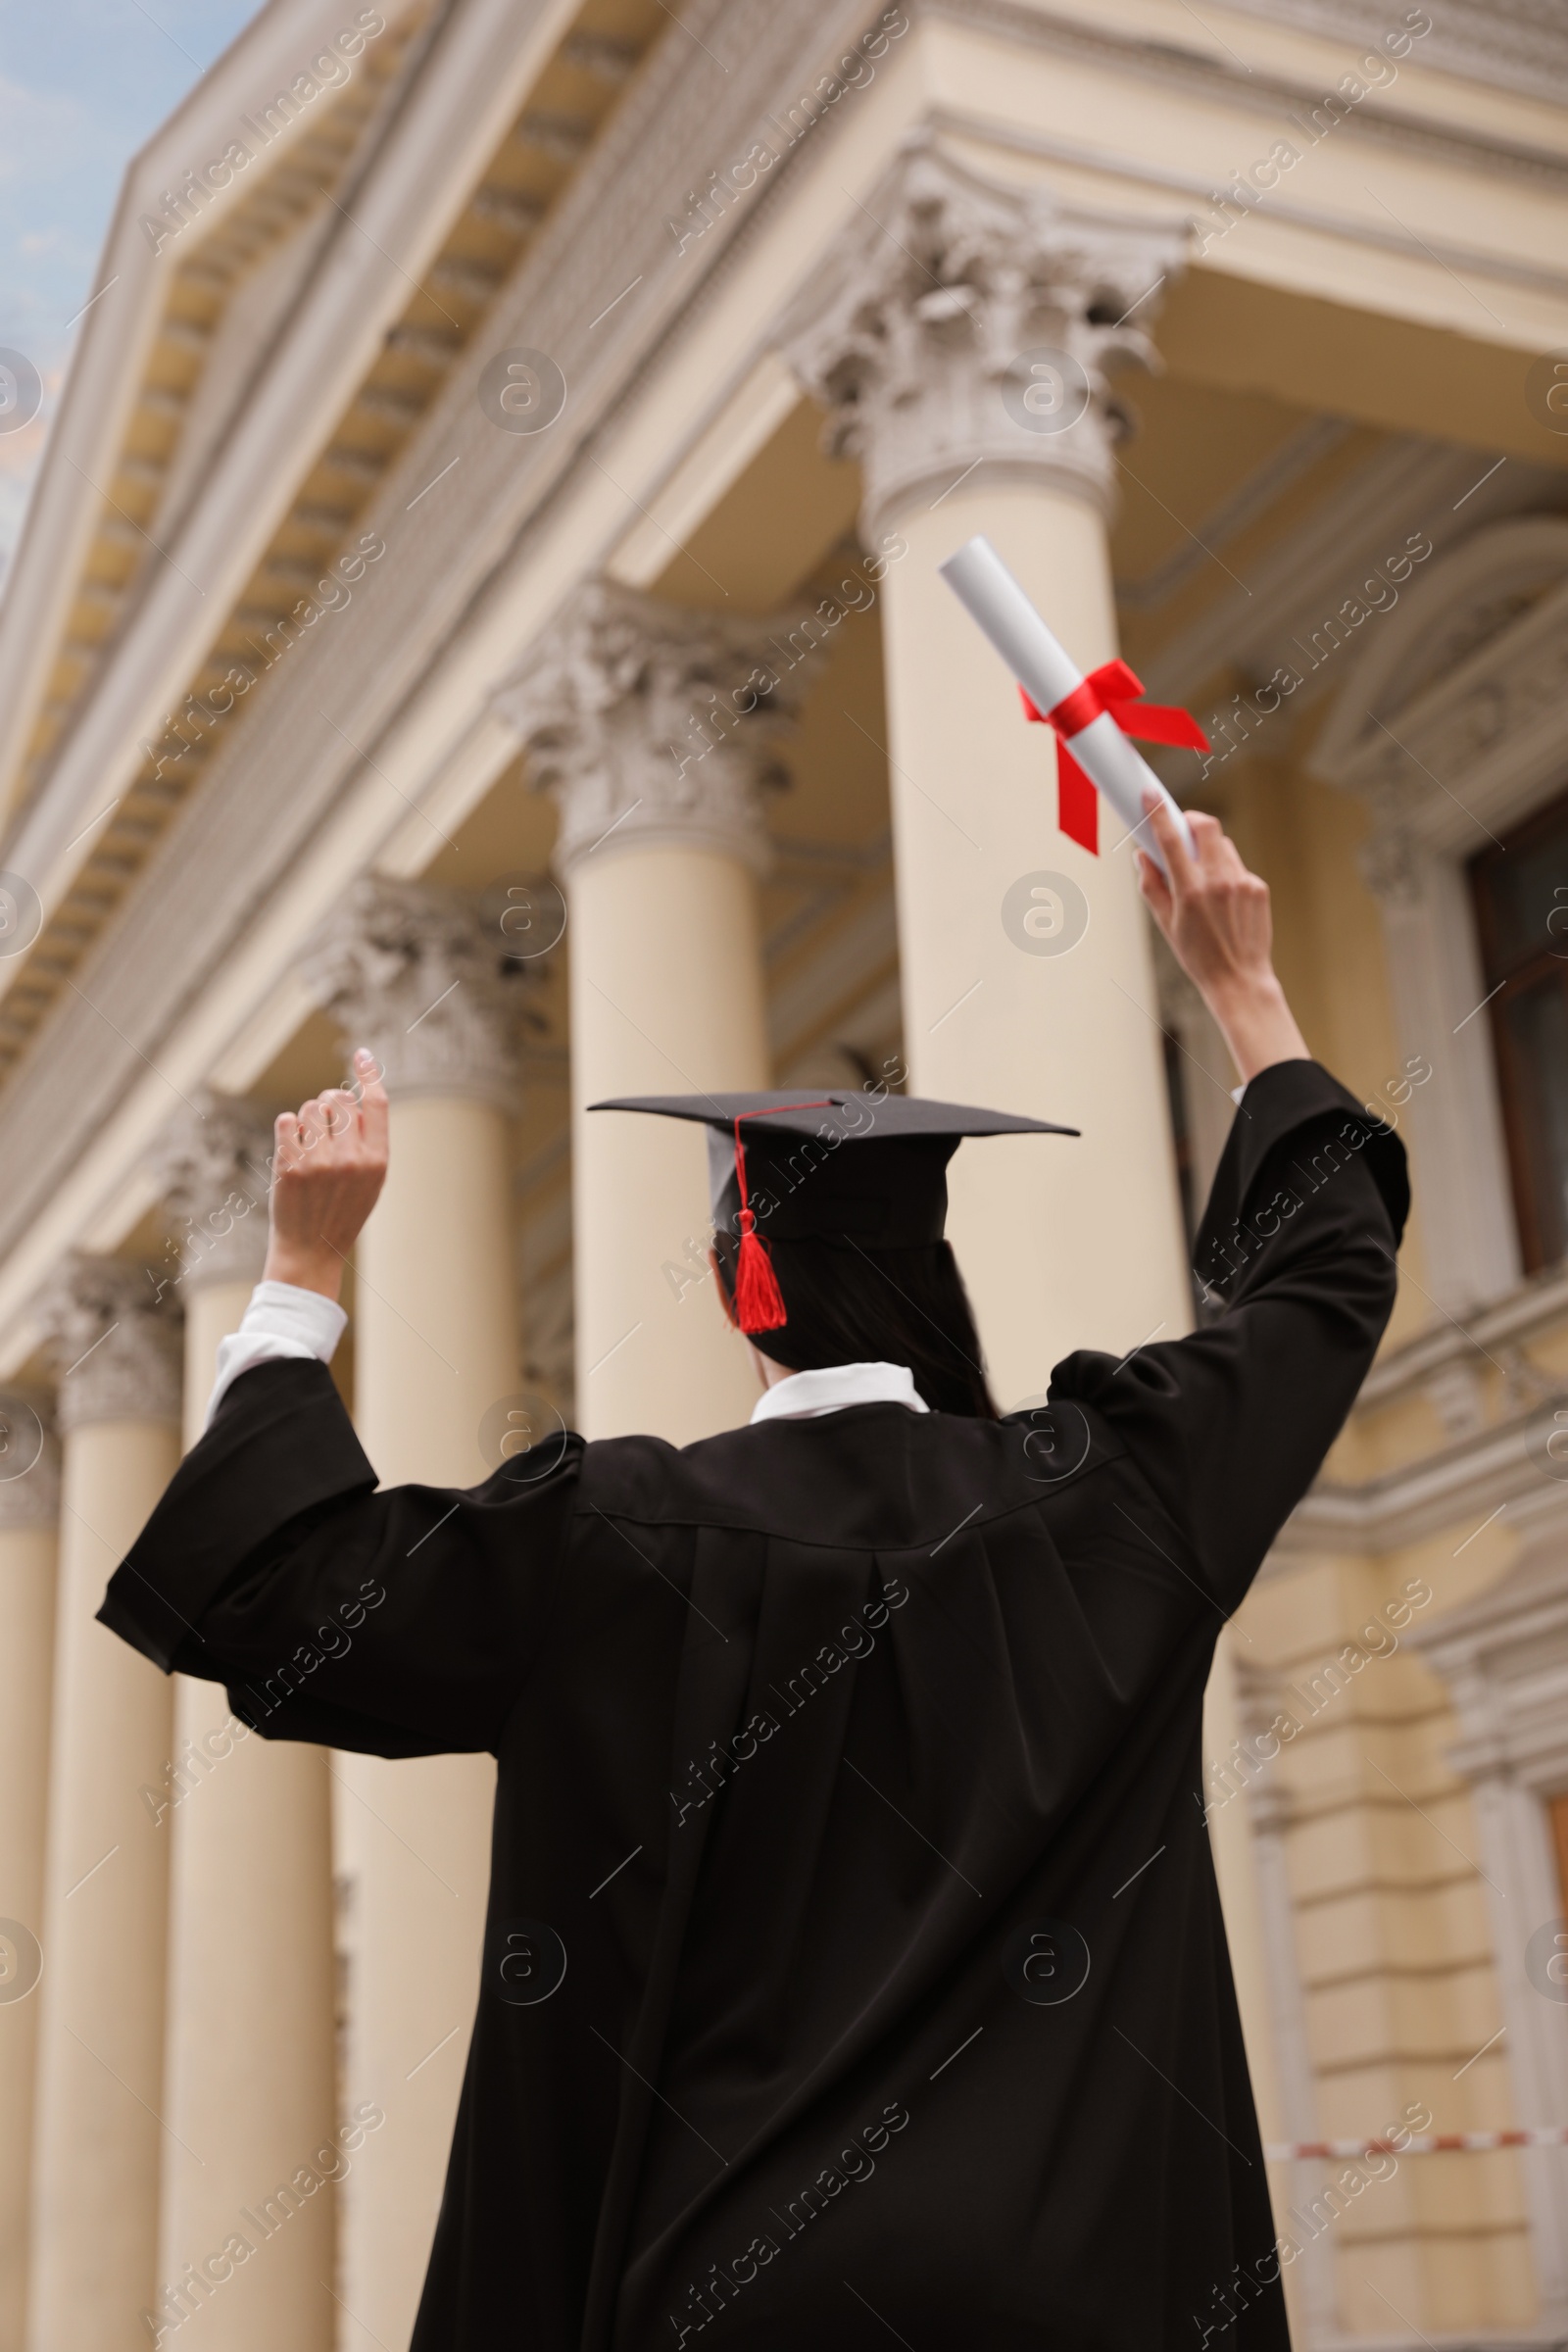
(1506, 982)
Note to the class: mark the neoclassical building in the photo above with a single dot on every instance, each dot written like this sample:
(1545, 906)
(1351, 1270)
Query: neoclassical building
(482, 600)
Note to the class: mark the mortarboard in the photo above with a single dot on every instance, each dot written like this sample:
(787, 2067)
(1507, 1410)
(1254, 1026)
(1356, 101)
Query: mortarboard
(793, 1174)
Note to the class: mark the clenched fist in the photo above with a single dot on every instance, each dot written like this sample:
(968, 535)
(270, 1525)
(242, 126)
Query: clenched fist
(329, 1167)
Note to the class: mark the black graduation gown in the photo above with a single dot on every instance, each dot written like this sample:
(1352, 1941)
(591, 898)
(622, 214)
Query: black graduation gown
(850, 1768)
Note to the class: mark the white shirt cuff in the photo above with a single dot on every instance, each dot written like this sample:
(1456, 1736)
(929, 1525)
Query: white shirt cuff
(280, 1321)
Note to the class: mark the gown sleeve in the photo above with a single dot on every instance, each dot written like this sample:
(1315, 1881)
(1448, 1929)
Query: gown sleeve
(1295, 1251)
(398, 1623)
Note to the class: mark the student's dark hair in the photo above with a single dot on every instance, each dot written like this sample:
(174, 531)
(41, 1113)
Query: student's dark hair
(876, 1306)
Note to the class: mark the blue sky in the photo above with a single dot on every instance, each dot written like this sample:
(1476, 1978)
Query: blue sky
(83, 84)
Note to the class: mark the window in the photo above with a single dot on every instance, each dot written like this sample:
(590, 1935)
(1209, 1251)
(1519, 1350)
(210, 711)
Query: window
(1521, 900)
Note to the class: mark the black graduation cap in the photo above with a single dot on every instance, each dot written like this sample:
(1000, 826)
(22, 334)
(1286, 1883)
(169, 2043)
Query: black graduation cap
(790, 1172)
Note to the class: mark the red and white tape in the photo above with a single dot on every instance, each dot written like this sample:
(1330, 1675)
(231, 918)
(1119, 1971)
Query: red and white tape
(1429, 2143)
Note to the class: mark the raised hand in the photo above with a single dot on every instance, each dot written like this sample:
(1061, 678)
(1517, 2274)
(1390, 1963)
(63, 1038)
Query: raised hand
(328, 1166)
(1216, 917)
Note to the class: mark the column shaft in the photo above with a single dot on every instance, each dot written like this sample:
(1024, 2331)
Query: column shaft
(250, 2060)
(99, 2140)
(1063, 1243)
(964, 336)
(436, 1346)
(28, 1507)
(412, 976)
(666, 997)
(658, 730)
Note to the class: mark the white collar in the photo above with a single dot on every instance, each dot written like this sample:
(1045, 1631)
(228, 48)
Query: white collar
(802, 1395)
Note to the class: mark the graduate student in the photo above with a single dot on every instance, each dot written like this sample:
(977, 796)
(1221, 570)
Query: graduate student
(910, 2017)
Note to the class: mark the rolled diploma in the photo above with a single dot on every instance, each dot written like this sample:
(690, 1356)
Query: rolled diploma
(1046, 671)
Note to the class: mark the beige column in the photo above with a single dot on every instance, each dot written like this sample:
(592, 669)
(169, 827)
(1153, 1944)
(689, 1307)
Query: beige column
(100, 2131)
(960, 340)
(249, 2091)
(641, 720)
(436, 1351)
(29, 1509)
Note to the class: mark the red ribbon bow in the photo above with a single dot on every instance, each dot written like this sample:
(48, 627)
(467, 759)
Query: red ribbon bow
(1112, 687)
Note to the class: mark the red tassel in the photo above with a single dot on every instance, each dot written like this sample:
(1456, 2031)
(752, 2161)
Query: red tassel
(758, 1301)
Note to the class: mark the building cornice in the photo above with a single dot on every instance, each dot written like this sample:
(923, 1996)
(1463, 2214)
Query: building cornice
(1537, 1306)
(1475, 1477)
(1111, 163)
(1510, 43)
(1194, 72)
(268, 796)
(135, 739)
(111, 373)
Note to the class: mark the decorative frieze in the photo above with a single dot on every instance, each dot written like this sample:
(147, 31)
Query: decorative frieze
(965, 325)
(650, 722)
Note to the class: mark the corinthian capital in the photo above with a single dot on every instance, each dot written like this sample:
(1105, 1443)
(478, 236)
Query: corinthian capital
(964, 323)
(649, 722)
(407, 970)
(211, 1167)
(115, 1344)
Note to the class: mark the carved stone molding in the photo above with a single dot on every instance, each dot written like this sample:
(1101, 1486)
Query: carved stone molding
(29, 1460)
(652, 724)
(1453, 715)
(1458, 1394)
(1448, 727)
(1503, 1654)
(408, 971)
(922, 334)
(1392, 859)
(116, 1347)
(211, 1167)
